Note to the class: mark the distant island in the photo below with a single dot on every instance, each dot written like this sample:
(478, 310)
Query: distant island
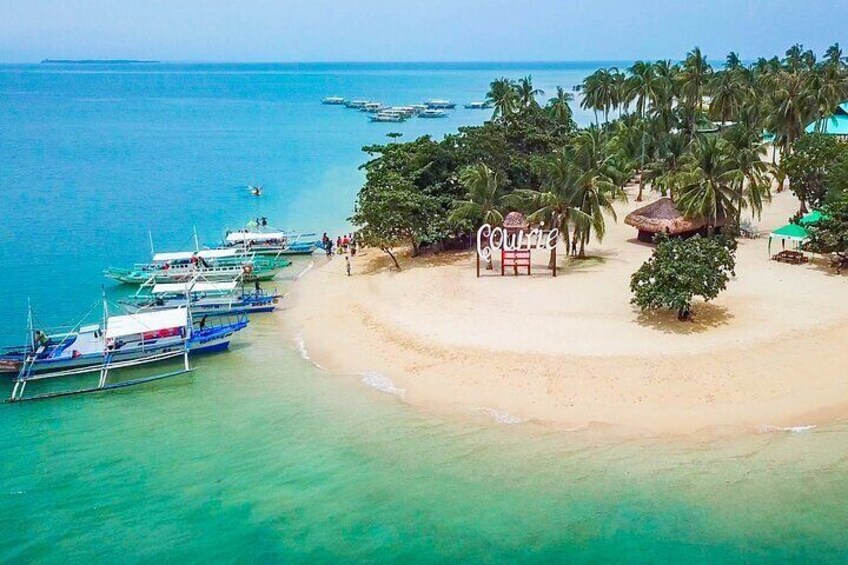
(96, 62)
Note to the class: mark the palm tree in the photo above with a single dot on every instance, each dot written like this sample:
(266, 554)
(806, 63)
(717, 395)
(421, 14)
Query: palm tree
(694, 76)
(642, 86)
(601, 92)
(526, 93)
(728, 95)
(503, 97)
(708, 182)
(558, 106)
(484, 198)
(592, 199)
(747, 150)
(663, 172)
(792, 108)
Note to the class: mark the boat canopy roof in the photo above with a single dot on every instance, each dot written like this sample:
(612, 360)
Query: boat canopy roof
(132, 324)
(240, 236)
(205, 254)
(182, 288)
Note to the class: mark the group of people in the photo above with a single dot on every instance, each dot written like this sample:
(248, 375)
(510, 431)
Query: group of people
(343, 244)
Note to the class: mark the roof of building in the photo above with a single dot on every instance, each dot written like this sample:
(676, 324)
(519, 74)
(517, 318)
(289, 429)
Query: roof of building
(663, 216)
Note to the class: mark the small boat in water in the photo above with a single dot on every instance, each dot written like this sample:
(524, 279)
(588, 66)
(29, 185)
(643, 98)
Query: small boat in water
(255, 190)
(210, 264)
(118, 342)
(478, 106)
(334, 101)
(433, 113)
(356, 103)
(372, 107)
(389, 116)
(205, 298)
(438, 104)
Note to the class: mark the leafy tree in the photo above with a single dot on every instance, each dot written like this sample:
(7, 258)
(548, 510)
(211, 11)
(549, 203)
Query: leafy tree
(830, 233)
(681, 269)
(809, 167)
(389, 212)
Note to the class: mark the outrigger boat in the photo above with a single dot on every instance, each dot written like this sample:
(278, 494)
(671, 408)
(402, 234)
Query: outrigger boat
(259, 238)
(118, 342)
(210, 264)
(206, 298)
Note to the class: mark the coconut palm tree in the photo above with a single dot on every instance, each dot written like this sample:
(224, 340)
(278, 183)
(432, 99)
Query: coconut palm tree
(558, 106)
(503, 97)
(526, 93)
(592, 200)
(708, 183)
(662, 173)
(728, 95)
(642, 86)
(484, 198)
(792, 107)
(693, 77)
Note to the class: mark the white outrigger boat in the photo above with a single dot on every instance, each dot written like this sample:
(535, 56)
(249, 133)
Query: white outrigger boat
(260, 239)
(433, 113)
(119, 342)
(437, 104)
(206, 298)
(334, 101)
(211, 264)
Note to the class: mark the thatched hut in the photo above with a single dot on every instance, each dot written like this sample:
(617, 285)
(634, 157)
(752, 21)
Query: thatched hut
(662, 216)
(515, 222)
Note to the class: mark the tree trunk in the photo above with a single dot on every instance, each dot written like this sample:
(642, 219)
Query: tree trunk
(392, 255)
(415, 246)
(582, 253)
(684, 313)
(641, 186)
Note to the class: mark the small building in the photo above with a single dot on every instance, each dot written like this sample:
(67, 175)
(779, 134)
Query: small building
(662, 216)
(836, 125)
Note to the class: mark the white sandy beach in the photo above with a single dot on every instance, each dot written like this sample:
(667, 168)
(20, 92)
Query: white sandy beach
(571, 350)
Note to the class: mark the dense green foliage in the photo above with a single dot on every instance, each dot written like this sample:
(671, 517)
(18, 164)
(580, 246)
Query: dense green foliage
(654, 125)
(830, 234)
(681, 269)
(816, 166)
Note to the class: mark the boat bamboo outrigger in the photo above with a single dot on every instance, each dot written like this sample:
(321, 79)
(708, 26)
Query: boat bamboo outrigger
(206, 298)
(119, 342)
(211, 264)
(259, 238)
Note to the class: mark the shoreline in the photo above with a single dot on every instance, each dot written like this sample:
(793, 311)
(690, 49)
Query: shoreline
(571, 353)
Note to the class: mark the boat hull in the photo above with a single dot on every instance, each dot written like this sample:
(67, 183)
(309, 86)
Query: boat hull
(202, 341)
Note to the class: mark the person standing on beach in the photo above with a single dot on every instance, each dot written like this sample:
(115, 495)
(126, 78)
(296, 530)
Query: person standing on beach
(345, 243)
(347, 265)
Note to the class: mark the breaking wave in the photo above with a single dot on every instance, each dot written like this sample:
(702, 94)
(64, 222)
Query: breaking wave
(382, 383)
(501, 417)
(791, 429)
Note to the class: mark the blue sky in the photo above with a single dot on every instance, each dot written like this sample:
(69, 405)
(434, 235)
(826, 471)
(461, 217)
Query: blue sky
(431, 30)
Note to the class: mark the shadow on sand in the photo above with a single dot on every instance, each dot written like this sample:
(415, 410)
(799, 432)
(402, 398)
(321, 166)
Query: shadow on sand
(705, 316)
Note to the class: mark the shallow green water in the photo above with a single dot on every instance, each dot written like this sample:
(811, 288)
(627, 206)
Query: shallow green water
(257, 455)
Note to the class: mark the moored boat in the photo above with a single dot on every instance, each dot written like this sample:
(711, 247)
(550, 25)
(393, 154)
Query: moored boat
(205, 298)
(439, 104)
(433, 113)
(334, 101)
(478, 106)
(118, 342)
(356, 103)
(259, 238)
(210, 264)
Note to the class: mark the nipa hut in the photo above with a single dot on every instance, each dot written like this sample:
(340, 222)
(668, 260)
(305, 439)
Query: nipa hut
(662, 216)
(515, 222)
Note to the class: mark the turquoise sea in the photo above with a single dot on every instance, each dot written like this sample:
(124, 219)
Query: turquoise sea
(260, 456)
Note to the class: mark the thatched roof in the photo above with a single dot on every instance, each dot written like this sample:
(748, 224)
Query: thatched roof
(515, 221)
(663, 216)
